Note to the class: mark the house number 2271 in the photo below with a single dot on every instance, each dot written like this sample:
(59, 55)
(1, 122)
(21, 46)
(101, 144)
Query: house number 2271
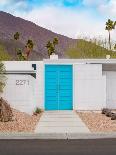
(22, 82)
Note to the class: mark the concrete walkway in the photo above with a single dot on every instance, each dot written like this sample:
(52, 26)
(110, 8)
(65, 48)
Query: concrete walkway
(61, 122)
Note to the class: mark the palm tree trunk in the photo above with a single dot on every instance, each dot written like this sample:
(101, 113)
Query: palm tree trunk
(109, 41)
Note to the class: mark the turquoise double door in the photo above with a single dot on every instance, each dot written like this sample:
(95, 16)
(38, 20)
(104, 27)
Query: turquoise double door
(58, 87)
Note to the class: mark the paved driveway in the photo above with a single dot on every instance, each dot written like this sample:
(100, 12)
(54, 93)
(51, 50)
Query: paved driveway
(61, 122)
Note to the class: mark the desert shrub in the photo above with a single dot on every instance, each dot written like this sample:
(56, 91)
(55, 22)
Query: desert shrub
(38, 111)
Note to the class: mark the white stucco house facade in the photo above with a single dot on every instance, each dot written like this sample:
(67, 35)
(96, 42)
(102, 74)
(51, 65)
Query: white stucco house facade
(61, 84)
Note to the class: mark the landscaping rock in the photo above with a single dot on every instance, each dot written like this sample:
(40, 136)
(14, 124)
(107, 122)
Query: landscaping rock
(23, 122)
(113, 117)
(104, 110)
(5, 111)
(97, 122)
(109, 113)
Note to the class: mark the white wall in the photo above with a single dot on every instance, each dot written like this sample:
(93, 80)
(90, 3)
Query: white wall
(89, 87)
(28, 95)
(18, 65)
(20, 92)
(39, 93)
(110, 89)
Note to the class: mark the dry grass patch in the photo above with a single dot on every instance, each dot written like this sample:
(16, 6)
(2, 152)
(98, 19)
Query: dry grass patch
(98, 122)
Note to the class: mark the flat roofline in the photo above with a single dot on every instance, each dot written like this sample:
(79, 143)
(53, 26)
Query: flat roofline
(23, 72)
(92, 61)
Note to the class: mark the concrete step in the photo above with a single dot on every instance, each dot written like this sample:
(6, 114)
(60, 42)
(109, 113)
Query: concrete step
(62, 130)
(62, 124)
(59, 116)
(59, 119)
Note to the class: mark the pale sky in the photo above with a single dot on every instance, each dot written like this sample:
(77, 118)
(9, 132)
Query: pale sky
(73, 18)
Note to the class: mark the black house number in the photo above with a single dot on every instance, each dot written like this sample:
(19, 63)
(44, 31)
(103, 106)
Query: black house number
(22, 82)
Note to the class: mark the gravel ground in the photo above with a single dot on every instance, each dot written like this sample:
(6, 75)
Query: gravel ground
(98, 122)
(22, 122)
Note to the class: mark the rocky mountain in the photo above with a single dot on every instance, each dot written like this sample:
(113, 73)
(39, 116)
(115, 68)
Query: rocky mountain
(10, 24)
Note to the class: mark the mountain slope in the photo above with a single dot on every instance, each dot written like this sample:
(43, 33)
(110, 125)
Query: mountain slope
(10, 24)
(88, 49)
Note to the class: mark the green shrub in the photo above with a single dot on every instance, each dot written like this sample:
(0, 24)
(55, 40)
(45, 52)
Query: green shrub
(38, 111)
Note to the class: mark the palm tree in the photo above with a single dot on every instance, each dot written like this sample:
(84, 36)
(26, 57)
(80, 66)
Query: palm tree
(110, 25)
(16, 36)
(51, 46)
(18, 50)
(29, 47)
(55, 41)
(20, 55)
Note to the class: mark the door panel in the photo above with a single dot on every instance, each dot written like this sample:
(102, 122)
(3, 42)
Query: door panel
(58, 87)
(51, 90)
(65, 87)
